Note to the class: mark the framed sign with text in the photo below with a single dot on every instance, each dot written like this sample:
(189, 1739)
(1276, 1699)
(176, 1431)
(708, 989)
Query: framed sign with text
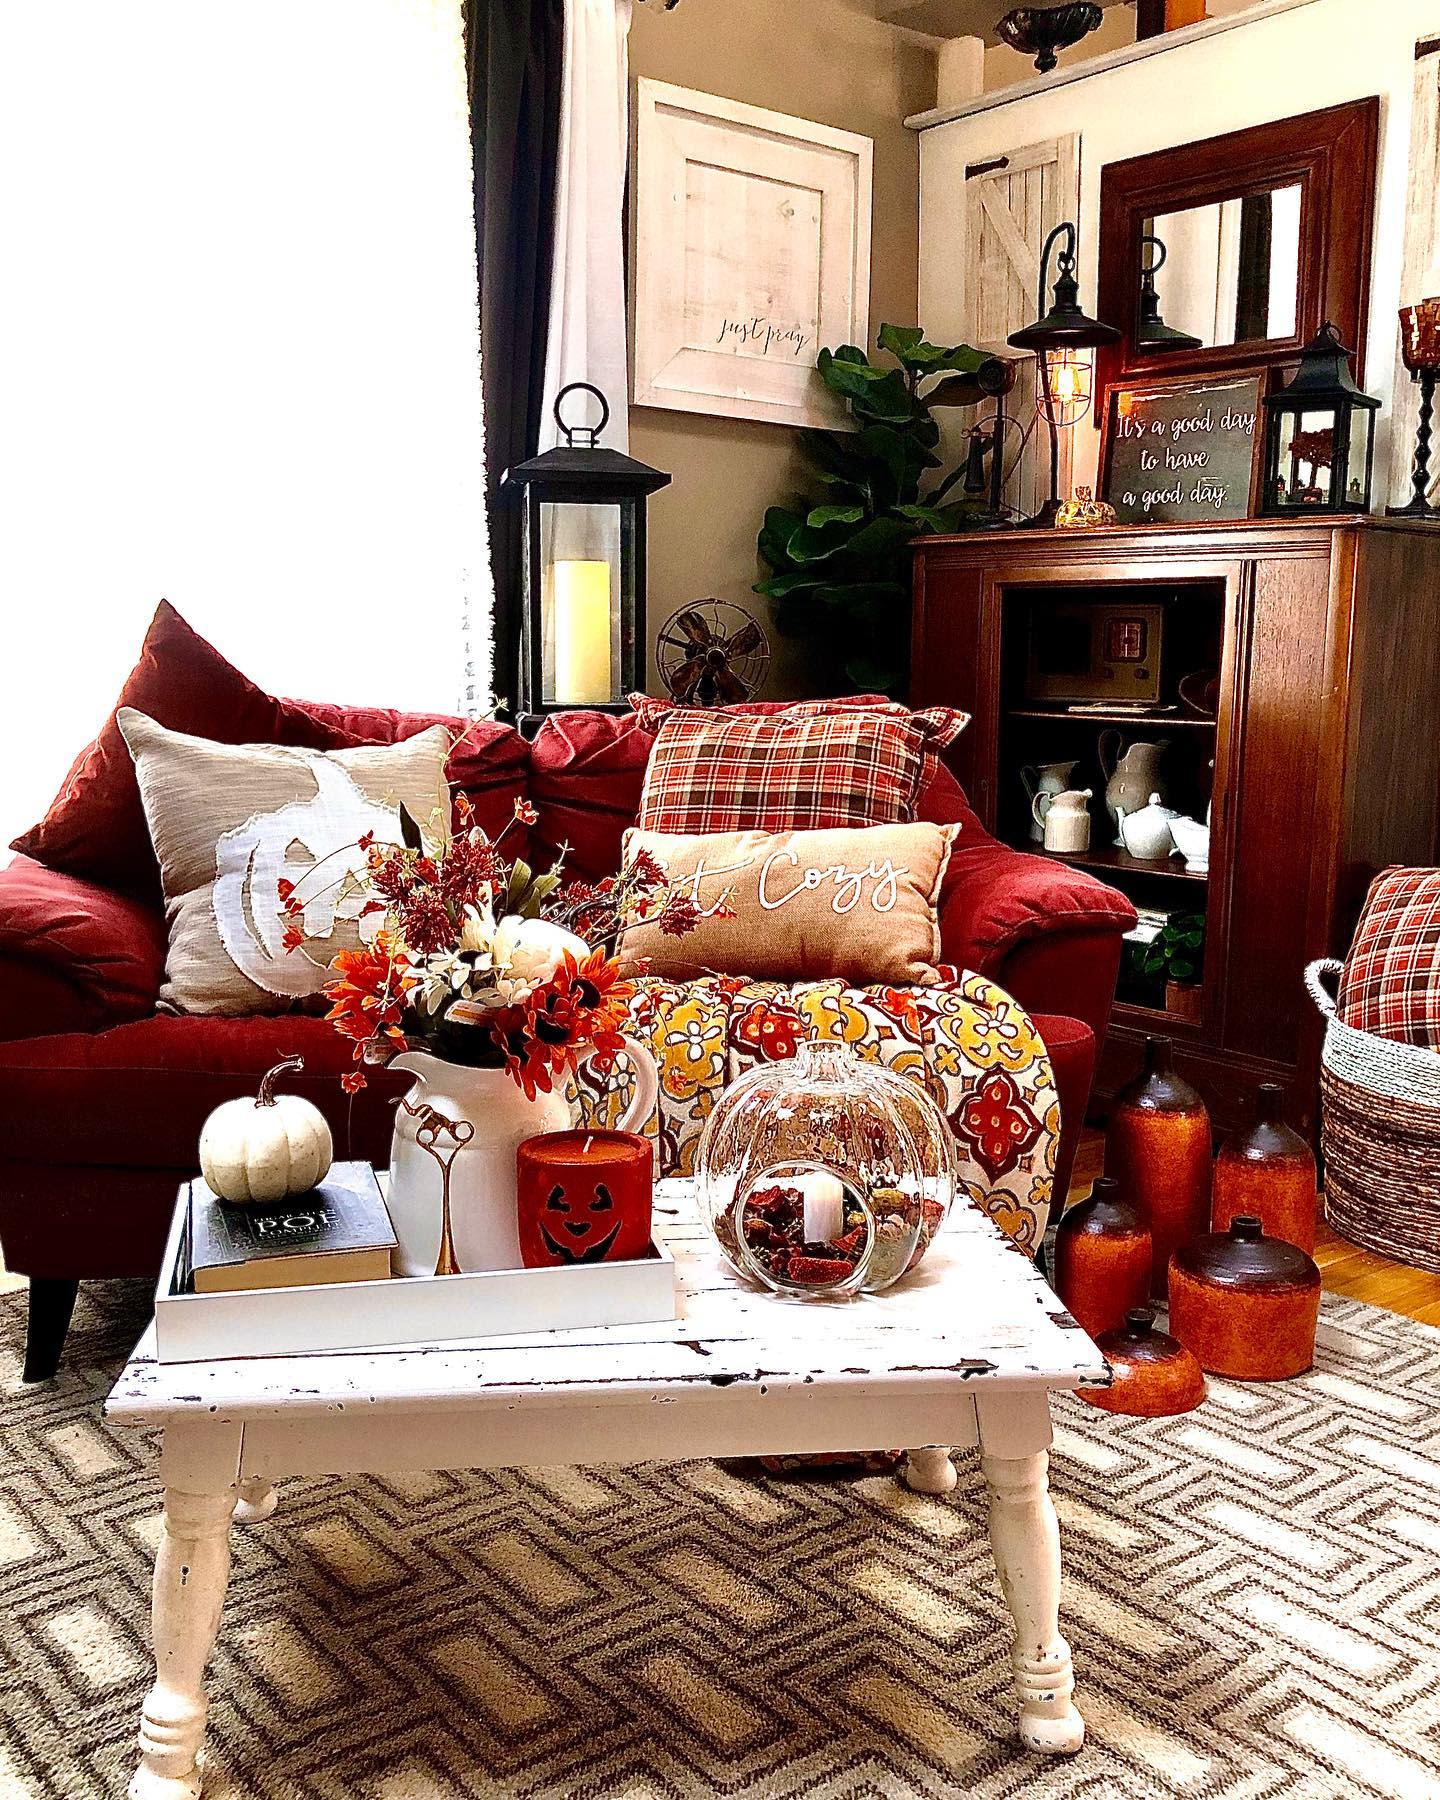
(751, 253)
(1175, 452)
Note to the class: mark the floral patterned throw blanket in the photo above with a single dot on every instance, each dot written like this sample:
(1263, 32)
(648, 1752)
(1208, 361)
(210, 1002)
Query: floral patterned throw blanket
(966, 1040)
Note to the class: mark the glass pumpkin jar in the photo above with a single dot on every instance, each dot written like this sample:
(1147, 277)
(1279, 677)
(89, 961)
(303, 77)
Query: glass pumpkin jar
(824, 1175)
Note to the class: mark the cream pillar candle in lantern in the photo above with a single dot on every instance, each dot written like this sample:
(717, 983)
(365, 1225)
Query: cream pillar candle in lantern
(582, 638)
(581, 598)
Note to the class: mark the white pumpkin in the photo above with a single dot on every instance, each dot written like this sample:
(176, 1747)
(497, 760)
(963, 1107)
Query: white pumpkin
(268, 1147)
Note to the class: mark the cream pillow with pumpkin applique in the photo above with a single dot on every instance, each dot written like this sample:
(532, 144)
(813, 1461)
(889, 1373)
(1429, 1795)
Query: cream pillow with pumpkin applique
(237, 827)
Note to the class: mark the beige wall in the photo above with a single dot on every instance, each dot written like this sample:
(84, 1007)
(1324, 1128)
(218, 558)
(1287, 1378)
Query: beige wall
(827, 60)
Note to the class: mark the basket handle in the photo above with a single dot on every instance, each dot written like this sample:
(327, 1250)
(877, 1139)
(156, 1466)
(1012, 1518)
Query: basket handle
(1315, 977)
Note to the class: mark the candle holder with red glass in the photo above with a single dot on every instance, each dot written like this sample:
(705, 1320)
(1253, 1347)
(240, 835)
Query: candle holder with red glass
(825, 1176)
(1420, 348)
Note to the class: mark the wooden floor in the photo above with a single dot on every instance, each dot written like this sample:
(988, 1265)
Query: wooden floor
(1357, 1274)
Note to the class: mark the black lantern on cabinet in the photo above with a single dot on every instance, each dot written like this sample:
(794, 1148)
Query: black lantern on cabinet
(582, 633)
(1319, 436)
(1152, 333)
(1061, 340)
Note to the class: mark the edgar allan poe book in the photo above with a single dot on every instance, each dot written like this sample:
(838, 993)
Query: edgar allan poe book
(339, 1231)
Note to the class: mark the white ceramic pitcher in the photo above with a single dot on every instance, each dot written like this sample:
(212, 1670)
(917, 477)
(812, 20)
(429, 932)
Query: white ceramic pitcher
(483, 1223)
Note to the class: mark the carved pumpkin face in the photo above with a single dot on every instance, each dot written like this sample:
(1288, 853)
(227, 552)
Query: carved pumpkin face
(583, 1197)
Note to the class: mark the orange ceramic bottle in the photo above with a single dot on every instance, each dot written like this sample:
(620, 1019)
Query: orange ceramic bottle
(1157, 1147)
(1151, 1375)
(1246, 1304)
(1102, 1259)
(1268, 1171)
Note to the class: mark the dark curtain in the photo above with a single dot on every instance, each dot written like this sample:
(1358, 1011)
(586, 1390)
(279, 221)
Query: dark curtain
(514, 54)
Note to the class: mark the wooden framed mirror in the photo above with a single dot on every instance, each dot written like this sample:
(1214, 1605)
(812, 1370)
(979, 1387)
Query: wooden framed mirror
(1254, 240)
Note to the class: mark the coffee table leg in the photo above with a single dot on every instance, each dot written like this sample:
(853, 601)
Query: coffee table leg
(929, 1471)
(257, 1501)
(1025, 1537)
(191, 1570)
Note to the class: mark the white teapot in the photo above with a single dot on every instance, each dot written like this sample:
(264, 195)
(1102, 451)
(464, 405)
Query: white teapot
(1146, 834)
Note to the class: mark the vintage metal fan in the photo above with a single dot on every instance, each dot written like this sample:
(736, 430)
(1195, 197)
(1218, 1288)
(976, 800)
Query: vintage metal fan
(712, 653)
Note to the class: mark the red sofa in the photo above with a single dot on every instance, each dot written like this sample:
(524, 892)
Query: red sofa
(102, 1099)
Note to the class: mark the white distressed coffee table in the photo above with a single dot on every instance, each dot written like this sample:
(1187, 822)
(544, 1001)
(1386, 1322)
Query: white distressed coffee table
(965, 1353)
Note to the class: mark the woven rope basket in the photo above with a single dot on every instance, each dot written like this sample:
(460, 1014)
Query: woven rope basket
(1380, 1134)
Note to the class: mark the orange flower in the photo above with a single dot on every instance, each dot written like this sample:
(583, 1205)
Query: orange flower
(292, 938)
(367, 997)
(353, 1082)
(580, 1010)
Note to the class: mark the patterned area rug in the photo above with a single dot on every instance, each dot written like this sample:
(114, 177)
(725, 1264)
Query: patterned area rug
(1251, 1598)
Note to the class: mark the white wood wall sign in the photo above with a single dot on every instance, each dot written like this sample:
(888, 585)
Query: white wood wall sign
(751, 253)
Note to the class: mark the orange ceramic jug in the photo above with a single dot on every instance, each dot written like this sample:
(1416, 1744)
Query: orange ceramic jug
(1151, 1375)
(1268, 1171)
(1102, 1259)
(1246, 1304)
(1157, 1146)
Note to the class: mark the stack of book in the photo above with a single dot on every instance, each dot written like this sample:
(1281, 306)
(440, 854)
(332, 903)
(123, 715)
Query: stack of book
(339, 1231)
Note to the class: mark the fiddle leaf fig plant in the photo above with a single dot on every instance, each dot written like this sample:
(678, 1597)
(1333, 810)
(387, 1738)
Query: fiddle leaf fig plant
(840, 563)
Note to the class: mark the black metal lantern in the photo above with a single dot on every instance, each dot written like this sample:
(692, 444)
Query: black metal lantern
(1060, 341)
(582, 634)
(1319, 436)
(1152, 333)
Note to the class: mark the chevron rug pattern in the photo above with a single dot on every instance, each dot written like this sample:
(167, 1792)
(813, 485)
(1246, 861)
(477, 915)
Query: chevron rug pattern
(1251, 1596)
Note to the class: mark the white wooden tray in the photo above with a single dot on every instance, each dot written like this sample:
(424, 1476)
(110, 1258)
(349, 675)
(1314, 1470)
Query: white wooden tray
(371, 1315)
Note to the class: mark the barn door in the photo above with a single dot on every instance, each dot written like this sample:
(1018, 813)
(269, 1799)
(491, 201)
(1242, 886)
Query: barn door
(1012, 201)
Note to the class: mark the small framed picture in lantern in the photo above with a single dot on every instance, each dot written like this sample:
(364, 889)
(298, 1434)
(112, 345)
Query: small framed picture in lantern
(582, 631)
(1319, 437)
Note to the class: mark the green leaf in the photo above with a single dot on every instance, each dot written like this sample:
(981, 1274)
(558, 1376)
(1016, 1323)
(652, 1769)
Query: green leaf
(870, 676)
(954, 390)
(933, 518)
(795, 581)
(521, 875)
(900, 339)
(821, 516)
(774, 541)
(539, 891)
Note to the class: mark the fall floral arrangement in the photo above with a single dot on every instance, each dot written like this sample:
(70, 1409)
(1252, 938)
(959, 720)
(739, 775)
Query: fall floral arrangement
(468, 952)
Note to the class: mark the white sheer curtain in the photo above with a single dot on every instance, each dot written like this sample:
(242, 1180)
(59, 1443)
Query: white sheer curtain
(587, 340)
(239, 355)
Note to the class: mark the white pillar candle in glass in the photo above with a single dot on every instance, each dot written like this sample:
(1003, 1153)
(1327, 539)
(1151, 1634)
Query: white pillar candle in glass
(581, 593)
(824, 1197)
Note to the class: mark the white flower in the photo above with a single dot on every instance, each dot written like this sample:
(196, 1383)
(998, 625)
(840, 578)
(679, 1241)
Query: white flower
(527, 952)
(477, 935)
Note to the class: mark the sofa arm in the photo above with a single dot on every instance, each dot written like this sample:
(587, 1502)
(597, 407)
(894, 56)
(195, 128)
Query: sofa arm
(73, 956)
(1001, 909)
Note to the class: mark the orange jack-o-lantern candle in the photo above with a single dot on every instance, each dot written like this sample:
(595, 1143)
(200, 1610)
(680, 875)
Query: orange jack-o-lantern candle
(584, 1197)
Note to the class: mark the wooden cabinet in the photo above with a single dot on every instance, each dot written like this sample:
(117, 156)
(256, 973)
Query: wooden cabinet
(1320, 764)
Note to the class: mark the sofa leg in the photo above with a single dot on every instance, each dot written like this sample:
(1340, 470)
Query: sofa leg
(51, 1304)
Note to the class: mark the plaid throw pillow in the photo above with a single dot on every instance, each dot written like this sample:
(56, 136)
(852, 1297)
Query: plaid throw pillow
(942, 724)
(806, 773)
(1391, 984)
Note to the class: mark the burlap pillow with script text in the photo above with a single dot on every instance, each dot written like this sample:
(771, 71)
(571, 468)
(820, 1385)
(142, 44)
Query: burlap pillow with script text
(861, 904)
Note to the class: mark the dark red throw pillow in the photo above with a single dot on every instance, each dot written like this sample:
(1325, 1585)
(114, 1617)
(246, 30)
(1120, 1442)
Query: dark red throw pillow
(95, 827)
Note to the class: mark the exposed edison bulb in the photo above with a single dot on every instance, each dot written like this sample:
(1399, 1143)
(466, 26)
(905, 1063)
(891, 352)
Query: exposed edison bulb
(1070, 386)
